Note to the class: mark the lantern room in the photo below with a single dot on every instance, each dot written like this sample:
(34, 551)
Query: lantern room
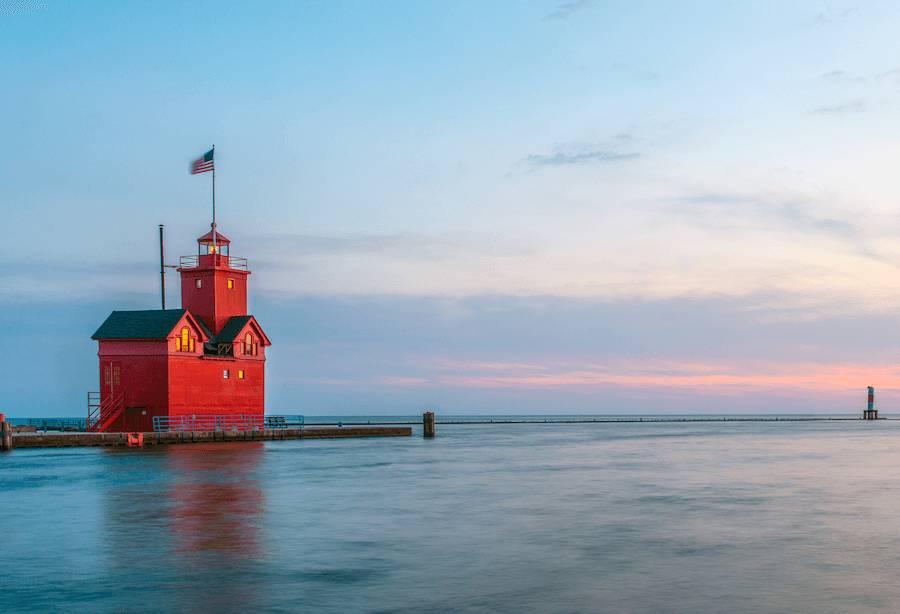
(213, 243)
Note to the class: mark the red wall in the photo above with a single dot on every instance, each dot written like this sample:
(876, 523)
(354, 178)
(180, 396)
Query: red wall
(199, 387)
(143, 377)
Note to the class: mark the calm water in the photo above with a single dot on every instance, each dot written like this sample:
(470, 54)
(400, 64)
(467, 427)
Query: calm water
(645, 518)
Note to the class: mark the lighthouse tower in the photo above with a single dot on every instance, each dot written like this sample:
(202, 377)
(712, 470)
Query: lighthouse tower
(214, 284)
(201, 363)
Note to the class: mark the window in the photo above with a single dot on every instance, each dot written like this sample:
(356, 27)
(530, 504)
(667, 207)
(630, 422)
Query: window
(112, 377)
(225, 374)
(255, 349)
(198, 283)
(184, 342)
(231, 284)
(240, 375)
(248, 344)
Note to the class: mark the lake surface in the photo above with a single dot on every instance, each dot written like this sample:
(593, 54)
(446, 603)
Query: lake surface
(649, 518)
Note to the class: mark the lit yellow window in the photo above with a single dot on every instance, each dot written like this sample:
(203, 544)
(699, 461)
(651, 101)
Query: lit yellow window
(177, 344)
(240, 375)
(230, 284)
(185, 339)
(192, 344)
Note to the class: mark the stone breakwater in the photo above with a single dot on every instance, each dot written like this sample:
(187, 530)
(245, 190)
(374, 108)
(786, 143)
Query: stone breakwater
(66, 440)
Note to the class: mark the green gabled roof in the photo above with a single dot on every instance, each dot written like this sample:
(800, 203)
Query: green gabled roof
(205, 328)
(232, 327)
(156, 324)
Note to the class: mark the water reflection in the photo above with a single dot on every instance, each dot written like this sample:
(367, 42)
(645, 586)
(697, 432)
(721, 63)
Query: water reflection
(183, 522)
(215, 498)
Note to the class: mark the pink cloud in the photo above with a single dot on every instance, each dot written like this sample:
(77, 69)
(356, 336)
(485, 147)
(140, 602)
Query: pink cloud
(401, 381)
(769, 376)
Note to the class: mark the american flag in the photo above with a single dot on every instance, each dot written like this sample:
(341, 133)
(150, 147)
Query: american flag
(203, 163)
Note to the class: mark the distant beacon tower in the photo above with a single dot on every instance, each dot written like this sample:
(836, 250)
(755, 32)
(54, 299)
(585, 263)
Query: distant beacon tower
(870, 413)
(206, 359)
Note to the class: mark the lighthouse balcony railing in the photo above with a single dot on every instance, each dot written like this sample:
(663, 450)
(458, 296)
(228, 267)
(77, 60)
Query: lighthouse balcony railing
(204, 260)
(192, 423)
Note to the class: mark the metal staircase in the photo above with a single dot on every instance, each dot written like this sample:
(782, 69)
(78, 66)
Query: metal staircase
(103, 412)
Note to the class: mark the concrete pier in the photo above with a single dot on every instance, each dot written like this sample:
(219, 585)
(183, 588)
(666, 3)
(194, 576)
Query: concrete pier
(65, 440)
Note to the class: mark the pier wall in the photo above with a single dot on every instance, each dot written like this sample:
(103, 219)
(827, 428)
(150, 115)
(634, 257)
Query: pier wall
(65, 440)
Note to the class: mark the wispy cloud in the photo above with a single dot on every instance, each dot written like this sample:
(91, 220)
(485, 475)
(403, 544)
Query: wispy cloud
(831, 16)
(785, 377)
(838, 109)
(578, 158)
(579, 152)
(17, 7)
(489, 366)
(729, 377)
(402, 381)
(568, 9)
(713, 210)
(845, 77)
(799, 217)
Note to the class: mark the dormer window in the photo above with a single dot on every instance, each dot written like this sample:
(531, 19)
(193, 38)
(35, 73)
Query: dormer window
(184, 342)
(250, 348)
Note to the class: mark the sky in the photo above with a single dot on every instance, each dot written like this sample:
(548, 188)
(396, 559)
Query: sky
(532, 207)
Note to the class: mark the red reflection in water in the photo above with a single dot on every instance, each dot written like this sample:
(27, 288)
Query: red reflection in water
(215, 499)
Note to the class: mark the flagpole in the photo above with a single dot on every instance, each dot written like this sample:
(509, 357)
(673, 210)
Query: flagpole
(215, 251)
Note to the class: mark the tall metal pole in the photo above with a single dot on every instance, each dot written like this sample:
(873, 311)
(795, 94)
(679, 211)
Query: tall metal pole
(162, 268)
(215, 251)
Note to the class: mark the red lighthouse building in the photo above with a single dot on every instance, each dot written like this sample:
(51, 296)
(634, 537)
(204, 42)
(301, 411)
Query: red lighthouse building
(199, 366)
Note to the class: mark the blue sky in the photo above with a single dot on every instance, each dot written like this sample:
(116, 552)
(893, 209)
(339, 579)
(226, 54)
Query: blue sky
(469, 207)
